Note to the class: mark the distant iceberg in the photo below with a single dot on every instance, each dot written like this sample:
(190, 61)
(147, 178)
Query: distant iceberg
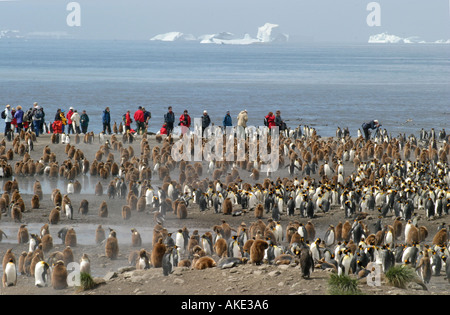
(267, 33)
(442, 41)
(226, 38)
(10, 34)
(385, 38)
(173, 36)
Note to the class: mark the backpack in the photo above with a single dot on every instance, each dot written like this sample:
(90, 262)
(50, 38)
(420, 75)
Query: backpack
(4, 114)
(38, 114)
(27, 116)
(266, 123)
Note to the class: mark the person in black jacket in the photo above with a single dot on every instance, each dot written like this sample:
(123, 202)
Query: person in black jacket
(169, 119)
(106, 119)
(374, 124)
(206, 121)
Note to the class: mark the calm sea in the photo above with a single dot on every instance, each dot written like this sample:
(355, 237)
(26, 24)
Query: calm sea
(406, 87)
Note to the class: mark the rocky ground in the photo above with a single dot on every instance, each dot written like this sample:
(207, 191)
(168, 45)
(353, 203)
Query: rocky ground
(117, 277)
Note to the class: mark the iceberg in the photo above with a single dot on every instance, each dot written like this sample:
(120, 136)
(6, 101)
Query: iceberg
(269, 33)
(442, 41)
(173, 36)
(385, 38)
(227, 39)
(10, 34)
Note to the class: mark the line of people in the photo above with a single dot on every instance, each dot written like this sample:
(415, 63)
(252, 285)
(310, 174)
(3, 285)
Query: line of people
(270, 121)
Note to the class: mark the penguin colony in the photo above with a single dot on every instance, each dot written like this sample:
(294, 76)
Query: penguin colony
(394, 183)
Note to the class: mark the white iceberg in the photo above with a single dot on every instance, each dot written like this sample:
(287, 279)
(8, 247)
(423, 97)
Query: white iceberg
(173, 36)
(225, 38)
(10, 34)
(442, 41)
(269, 33)
(385, 38)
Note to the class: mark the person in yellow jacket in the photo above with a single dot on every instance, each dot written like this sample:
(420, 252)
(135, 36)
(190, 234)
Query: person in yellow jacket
(63, 120)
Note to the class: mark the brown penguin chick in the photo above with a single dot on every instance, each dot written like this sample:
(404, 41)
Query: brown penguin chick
(126, 212)
(199, 251)
(7, 257)
(35, 202)
(68, 255)
(100, 235)
(257, 251)
(54, 257)
(143, 262)
(182, 211)
(55, 215)
(2, 234)
(184, 263)
(259, 211)
(47, 243)
(21, 265)
(227, 207)
(37, 189)
(159, 249)
(220, 247)
(413, 236)
(423, 233)
(16, 214)
(27, 263)
(204, 263)
(57, 198)
(112, 246)
(44, 230)
(103, 210)
(310, 231)
(136, 240)
(141, 204)
(440, 238)
(338, 232)
(23, 235)
(71, 238)
(36, 258)
(193, 241)
(296, 238)
(226, 228)
(76, 187)
(398, 227)
(59, 276)
(99, 189)
(3, 205)
(346, 229)
(84, 207)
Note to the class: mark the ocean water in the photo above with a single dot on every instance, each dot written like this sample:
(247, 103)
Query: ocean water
(406, 87)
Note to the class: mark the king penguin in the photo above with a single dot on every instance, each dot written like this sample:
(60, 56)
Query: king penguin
(41, 274)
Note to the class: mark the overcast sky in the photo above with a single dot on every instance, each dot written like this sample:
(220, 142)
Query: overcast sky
(321, 20)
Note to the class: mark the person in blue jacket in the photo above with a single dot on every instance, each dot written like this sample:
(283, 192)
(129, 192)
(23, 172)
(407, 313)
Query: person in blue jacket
(374, 124)
(106, 118)
(227, 121)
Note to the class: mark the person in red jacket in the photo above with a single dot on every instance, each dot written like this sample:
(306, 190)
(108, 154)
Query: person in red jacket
(128, 121)
(185, 122)
(163, 130)
(69, 120)
(140, 120)
(270, 118)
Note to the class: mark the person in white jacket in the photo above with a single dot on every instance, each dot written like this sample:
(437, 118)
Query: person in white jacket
(76, 121)
(8, 118)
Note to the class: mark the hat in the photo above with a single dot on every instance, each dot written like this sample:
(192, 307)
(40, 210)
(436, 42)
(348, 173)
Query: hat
(71, 108)
(8, 106)
(205, 112)
(375, 121)
(35, 103)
